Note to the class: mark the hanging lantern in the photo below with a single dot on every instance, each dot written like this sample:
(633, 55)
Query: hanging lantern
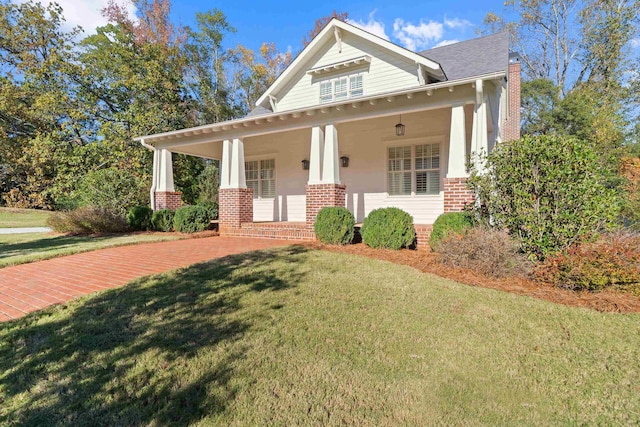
(400, 128)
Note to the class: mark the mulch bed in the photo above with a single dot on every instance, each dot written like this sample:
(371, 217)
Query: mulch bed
(427, 261)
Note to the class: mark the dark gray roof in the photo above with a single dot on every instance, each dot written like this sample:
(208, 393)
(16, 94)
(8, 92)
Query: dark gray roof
(259, 111)
(475, 57)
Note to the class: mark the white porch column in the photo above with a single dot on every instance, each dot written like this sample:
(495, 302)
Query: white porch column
(165, 181)
(330, 164)
(479, 138)
(457, 143)
(225, 164)
(237, 177)
(154, 177)
(315, 156)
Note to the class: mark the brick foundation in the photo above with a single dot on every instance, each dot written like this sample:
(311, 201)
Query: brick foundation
(235, 207)
(299, 231)
(322, 195)
(168, 200)
(456, 194)
(423, 232)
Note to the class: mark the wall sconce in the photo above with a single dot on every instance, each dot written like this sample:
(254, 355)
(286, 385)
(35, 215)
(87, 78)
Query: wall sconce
(344, 161)
(305, 164)
(400, 128)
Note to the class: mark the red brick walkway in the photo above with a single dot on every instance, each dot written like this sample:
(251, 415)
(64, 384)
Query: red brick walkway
(29, 287)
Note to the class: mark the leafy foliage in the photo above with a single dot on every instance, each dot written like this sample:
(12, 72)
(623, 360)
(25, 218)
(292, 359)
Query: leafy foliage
(114, 189)
(549, 191)
(335, 225)
(87, 220)
(191, 219)
(162, 220)
(139, 218)
(390, 228)
(208, 184)
(611, 260)
(485, 250)
(448, 225)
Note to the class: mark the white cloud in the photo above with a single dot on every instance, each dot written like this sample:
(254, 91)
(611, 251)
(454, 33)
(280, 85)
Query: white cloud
(86, 13)
(446, 42)
(420, 36)
(372, 26)
(457, 23)
(635, 43)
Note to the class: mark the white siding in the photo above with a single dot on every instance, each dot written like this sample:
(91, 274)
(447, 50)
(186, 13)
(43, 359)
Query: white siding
(365, 143)
(386, 72)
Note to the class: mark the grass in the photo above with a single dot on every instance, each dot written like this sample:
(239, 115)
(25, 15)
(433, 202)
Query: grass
(23, 248)
(299, 337)
(18, 218)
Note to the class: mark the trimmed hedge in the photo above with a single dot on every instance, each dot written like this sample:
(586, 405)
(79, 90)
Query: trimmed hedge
(162, 220)
(139, 218)
(449, 224)
(335, 225)
(191, 219)
(390, 228)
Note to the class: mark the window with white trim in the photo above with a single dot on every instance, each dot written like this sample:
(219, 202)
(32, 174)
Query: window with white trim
(260, 176)
(413, 169)
(341, 88)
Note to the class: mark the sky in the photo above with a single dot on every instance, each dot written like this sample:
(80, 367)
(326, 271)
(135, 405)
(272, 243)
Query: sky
(416, 25)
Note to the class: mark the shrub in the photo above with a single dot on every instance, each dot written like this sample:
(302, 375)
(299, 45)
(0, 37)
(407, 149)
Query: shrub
(548, 190)
(87, 220)
(212, 209)
(390, 228)
(611, 260)
(139, 217)
(449, 224)
(113, 189)
(191, 219)
(487, 251)
(162, 220)
(335, 225)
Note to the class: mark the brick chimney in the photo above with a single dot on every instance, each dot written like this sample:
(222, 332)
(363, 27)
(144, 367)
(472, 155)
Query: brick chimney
(512, 121)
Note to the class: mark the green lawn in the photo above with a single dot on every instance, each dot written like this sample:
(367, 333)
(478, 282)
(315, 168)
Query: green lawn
(15, 218)
(299, 337)
(22, 248)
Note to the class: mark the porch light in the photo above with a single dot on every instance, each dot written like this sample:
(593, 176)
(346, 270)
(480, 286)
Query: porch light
(344, 161)
(305, 164)
(400, 128)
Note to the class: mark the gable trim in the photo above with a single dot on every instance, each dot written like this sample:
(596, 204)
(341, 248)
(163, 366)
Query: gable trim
(335, 26)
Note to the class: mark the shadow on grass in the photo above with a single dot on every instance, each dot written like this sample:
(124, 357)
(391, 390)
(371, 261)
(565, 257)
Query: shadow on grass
(45, 244)
(127, 356)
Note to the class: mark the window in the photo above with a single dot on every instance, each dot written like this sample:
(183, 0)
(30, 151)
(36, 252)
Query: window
(341, 88)
(413, 170)
(261, 177)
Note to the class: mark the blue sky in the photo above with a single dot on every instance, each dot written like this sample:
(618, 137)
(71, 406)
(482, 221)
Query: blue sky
(414, 24)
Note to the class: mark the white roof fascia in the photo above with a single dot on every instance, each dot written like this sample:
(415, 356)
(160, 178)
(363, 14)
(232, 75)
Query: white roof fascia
(244, 122)
(433, 66)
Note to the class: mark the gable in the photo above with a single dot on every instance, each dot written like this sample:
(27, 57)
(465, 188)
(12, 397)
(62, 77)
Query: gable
(339, 51)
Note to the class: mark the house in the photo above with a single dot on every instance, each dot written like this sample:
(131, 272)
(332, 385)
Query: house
(354, 121)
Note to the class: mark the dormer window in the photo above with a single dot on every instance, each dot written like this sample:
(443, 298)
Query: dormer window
(340, 88)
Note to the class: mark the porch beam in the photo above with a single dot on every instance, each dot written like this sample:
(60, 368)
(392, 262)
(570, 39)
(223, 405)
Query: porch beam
(457, 143)
(316, 154)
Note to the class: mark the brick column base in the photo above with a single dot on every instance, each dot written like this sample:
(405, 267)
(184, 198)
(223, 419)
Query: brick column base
(168, 200)
(322, 195)
(235, 207)
(456, 194)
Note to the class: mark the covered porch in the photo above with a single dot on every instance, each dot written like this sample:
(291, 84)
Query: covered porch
(278, 170)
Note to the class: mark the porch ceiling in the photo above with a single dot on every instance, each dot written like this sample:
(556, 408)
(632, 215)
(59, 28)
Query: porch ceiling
(195, 140)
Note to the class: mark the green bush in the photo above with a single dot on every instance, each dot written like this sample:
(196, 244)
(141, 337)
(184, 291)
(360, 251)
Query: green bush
(390, 228)
(139, 218)
(335, 225)
(113, 189)
(547, 190)
(484, 250)
(87, 220)
(162, 220)
(212, 208)
(191, 219)
(611, 260)
(449, 224)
